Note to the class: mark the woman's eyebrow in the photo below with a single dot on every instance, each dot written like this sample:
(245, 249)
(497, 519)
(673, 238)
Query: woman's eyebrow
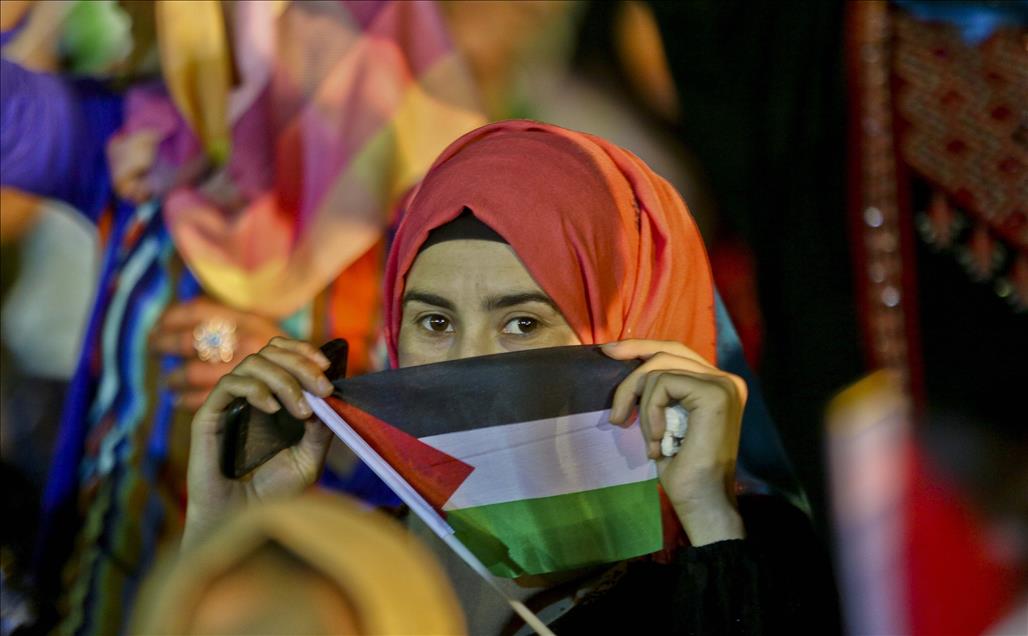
(511, 300)
(428, 299)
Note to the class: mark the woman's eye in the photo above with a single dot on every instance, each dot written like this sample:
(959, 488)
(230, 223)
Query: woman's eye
(521, 326)
(436, 324)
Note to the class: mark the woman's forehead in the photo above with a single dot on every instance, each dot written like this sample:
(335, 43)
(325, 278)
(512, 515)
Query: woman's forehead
(466, 268)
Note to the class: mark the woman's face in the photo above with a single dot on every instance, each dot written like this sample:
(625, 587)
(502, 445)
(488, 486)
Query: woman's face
(471, 298)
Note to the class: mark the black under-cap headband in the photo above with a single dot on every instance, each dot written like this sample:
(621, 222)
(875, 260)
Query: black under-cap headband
(465, 227)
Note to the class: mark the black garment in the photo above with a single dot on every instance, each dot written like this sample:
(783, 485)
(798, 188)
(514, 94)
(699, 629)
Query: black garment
(764, 113)
(776, 581)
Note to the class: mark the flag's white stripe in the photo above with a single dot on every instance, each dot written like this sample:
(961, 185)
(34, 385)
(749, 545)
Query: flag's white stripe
(543, 458)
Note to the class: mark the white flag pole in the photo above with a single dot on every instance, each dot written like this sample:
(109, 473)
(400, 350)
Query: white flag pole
(417, 504)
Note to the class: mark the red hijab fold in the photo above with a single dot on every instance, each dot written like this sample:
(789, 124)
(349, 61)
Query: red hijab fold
(610, 241)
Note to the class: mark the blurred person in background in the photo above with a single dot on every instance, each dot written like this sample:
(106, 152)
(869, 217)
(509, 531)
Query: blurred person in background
(50, 274)
(251, 188)
(318, 564)
(50, 264)
(975, 448)
(931, 509)
(51, 254)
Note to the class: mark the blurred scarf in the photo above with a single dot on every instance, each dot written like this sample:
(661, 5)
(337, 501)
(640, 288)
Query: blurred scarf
(313, 173)
(339, 108)
(391, 583)
(611, 242)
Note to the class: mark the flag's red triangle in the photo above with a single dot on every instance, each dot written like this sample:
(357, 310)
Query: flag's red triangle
(433, 473)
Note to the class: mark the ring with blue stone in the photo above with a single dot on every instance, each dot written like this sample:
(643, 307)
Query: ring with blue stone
(215, 340)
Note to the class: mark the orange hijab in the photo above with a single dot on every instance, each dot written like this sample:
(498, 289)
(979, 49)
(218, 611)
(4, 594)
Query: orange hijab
(610, 241)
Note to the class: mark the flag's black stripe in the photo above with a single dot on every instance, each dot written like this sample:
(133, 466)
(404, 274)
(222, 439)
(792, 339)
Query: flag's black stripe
(489, 390)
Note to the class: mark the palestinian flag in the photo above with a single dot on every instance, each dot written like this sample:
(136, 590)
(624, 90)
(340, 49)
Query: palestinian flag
(516, 452)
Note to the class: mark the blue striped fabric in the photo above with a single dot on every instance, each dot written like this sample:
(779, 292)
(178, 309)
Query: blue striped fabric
(113, 441)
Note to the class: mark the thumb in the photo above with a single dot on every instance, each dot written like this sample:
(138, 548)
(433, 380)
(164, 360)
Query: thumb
(313, 446)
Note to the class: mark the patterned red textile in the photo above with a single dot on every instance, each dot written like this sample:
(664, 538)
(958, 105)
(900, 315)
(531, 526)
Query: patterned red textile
(936, 137)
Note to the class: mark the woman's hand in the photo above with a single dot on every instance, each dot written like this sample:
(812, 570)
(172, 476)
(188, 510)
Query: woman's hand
(130, 157)
(700, 479)
(174, 335)
(269, 380)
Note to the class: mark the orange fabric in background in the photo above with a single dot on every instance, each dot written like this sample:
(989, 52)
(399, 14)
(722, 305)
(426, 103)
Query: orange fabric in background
(354, 308)
(18, 213)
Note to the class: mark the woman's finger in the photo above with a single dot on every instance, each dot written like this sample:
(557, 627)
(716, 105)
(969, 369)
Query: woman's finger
(208, 423)
(303, 348)
(292, 469)
(646, 349)
(233, 386)
(651, 422)
(172, 342)
(186, 315)
(195, 375)
(715, 411)
(191, 401)
(282, 382)
(302, 367)
(313, 446)
(702, 395)
(631, 388)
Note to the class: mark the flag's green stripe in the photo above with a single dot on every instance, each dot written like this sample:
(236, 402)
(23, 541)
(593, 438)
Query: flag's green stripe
(563, 532)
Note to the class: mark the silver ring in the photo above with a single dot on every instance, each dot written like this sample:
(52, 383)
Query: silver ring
(215, 340)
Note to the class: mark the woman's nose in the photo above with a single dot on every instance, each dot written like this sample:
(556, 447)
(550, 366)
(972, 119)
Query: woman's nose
(479, 343)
